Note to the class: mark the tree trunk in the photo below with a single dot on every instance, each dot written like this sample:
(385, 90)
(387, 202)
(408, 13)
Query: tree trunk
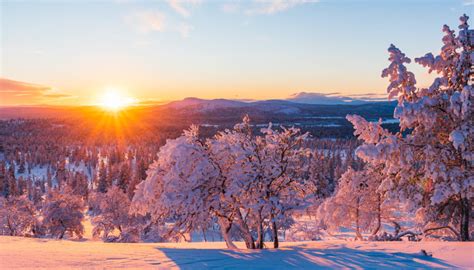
(64, 230)
(276, 244)
(260, 232)
(465, 216)
(379, 215)
(400, 235)
(204, 235)
(397, 228)
(358, 235)
(245, 231)
(10, 227)
(225, 227)
(427, 231)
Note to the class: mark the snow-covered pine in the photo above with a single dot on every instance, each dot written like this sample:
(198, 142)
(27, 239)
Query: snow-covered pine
(429, 164)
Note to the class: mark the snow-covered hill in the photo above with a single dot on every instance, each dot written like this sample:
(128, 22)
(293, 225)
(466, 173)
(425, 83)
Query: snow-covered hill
(204, 104)
(299, 103)
(207, 105)
(334, 98)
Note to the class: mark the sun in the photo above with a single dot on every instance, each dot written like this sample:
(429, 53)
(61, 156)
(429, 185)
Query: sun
(114, 100)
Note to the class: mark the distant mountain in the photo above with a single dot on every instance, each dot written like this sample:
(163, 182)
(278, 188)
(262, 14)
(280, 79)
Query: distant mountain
(193, 108)
(204, 104)
(298, 103)
(333, 98)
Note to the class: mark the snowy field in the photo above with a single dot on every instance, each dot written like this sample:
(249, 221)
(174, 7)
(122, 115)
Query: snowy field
(17, 252)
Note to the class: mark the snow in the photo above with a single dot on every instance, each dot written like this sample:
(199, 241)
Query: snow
(37, 172)
(40, 172)
(390, 121)
(205, 104)
(18, 252)
(457, 138)
(332, 98)
(209, 125)
(324, 117)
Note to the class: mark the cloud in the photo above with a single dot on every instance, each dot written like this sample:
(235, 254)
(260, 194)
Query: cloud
(468, 3)
(10, 86)
(16, 92)
(184, 29)
(182, 6)
(275, 6)
(57, 95)
(151, 102)
(230, 7)
(147, 20)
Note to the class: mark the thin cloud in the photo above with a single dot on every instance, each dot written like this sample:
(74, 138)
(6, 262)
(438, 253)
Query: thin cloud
(184, 29)
(231, 7)
(11, 86)
(151, 102)
(468, 3)
(58, 95)
(182, 7)
(275, 6)
(147, 21)
(16, 92)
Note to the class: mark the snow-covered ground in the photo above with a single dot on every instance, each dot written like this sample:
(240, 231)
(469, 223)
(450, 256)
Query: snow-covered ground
(17, 252)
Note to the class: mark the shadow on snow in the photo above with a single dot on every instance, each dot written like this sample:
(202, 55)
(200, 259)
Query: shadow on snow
(298, 258)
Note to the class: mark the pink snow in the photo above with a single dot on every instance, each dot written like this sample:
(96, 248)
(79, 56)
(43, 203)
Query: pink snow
(18, 252)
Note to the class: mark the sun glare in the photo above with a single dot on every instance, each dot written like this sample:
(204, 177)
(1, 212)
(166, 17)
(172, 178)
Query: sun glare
(114, 100)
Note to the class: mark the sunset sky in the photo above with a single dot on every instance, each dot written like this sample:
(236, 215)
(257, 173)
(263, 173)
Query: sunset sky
(71, 52)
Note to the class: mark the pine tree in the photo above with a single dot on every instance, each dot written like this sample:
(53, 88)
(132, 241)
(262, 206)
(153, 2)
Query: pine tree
(102, 177)
(124, 177)
(429, 164)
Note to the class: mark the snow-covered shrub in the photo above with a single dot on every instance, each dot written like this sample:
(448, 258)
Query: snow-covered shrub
(18, 216)
(63, 214)
(355, 204)
(111, 212)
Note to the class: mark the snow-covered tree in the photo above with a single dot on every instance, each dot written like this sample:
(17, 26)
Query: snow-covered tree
(17, 216)
(9, 185)
(268, 174)
(182, 185)
(429, 163)
(124, 178)
(112, 213)
(357, 203)
(63, 213)
(102, 177)
(235, 179)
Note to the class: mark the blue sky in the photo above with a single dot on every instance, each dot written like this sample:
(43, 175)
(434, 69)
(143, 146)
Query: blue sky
(164, 50)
